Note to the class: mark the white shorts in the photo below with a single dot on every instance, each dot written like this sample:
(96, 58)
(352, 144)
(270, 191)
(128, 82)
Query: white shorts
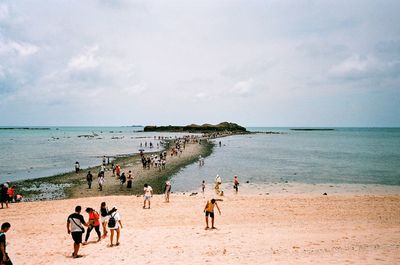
(147, 197)
(105, 219)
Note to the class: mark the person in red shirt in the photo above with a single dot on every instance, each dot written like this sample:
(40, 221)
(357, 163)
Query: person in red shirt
(93, 223)
(10, 193)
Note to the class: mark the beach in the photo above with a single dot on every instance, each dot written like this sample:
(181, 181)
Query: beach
(253, 228)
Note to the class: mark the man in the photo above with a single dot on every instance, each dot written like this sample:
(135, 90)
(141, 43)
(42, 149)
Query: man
(3, 195)
(77, 167)
(148, 193)
(209, 211)
(89, 179)
(75, 224)
(4, 259)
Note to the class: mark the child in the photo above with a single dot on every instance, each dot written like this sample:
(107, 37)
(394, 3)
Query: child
(209, 211)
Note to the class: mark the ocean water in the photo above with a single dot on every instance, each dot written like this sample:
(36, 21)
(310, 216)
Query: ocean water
(344, 156)
(43, 152)
(367, 156)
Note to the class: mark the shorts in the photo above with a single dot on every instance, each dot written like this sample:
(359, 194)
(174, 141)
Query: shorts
(77, 237)
(105, 219)
(147, 197)
(211, 214)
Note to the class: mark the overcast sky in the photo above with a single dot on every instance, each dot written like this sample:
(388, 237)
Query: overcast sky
(257, 63)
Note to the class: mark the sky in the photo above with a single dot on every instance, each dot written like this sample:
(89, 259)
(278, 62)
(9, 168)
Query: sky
(256, 63)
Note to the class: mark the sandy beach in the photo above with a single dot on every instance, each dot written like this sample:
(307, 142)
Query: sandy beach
(262, 229)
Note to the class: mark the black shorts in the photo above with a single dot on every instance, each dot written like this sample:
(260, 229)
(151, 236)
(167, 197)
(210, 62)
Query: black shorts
(211, 214)
(77, 237)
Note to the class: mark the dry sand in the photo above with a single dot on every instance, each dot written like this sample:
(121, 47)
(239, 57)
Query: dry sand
(253, 229)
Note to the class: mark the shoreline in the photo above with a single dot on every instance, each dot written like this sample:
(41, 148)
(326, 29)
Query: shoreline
(72, 185)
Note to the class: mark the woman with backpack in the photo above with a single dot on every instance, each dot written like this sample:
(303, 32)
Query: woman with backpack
(115, 225)
(93, 223)
(104, 218)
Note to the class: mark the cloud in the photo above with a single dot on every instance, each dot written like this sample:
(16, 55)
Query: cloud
(243, 88)
(17, 48)
(86, 60)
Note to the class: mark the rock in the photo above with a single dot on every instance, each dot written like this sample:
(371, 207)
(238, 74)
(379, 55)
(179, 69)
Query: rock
(193, 194)
(324, 193)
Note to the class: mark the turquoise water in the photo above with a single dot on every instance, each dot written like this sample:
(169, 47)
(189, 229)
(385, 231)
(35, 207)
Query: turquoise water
(38, 153)
(345, 155)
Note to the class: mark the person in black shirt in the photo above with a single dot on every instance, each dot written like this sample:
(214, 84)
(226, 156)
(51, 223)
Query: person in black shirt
(75, 223)
(89, 179)
(4, 259)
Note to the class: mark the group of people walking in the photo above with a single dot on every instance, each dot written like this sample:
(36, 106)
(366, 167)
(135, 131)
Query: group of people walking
(110, 219)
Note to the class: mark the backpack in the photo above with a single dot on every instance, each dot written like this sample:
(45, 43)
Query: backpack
(111, 222)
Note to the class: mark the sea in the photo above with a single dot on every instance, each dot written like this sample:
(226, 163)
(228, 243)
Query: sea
(364, 156)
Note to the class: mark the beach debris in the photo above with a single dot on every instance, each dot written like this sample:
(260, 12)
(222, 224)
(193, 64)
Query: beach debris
(193, 194)
(325, 193)
(247, 181)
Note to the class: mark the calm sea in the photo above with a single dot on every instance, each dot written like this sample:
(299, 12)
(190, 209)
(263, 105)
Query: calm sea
(345, 155)
(342, 156)
(44, 152)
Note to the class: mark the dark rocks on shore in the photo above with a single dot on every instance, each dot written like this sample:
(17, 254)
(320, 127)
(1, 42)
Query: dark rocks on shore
(325, 193)
(205, 128)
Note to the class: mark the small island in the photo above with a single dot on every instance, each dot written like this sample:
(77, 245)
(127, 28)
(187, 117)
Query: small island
(205, 128)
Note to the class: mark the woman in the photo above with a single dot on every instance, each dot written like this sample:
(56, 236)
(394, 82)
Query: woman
(93, 223)
(104, 218)
(115, 225)
(130, 179)
(167, 190)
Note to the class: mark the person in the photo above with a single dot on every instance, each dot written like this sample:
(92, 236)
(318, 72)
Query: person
(75, 223)
(115, 225)
(19, 197)
(209, 211)
(3, 195)
(4, 258)
(122, 179)
(102, 169)
(89, 179)
(104, 217)
(130, 179)
(118, 170)
(100, 178)
(167, 190)
(203, 186)
(113, 168)
(93, 223)
(236, 183)
(218, 182)
(104, 160)
(148, 193)
(10, 193)
(77, 167)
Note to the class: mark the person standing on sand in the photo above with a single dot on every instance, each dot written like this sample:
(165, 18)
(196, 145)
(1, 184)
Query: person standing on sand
(3, 195)
(209, 211)
(4, 258)
(77, 167)
(75, 223)
(104, 160)
(102, 169)
(93, 223)
(203, 186)
(148, 193)
(118, 170)
(122, 180)
(89, 179)
(104, 218)
(218, 182)
(236, 183)
(167, 190)
(115, 224)
(100, 179)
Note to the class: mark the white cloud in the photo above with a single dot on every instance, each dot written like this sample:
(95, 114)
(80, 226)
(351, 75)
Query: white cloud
(353, 64)
(17, 48)
(86, 60)
(243, 88)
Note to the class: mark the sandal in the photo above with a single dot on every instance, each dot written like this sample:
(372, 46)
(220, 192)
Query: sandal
(117, 244)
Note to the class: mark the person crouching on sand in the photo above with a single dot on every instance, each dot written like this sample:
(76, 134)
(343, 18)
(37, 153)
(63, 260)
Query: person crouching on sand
(115, 224)
(75, 223)
(209, 211)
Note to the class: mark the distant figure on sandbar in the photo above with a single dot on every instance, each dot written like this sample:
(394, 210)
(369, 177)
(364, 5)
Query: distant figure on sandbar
(236, 183)
(77, 167)
(89, 179)
(167, 190)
